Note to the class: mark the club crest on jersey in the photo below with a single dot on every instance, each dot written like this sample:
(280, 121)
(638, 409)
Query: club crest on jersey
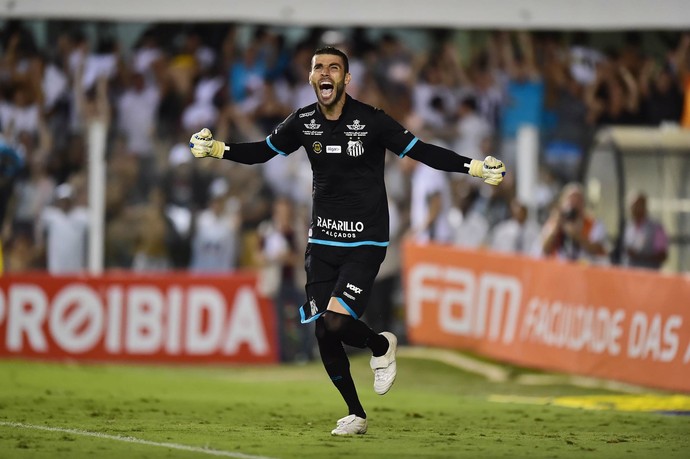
(355, 126)
(356, 130)
(317, 147)
(355, 147)
(312, 124)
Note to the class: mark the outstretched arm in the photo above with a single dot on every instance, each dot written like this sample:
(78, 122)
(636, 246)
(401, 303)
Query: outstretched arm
(491, 169)
(203, 145)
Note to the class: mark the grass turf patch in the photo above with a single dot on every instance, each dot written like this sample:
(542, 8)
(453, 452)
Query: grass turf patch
(433, 411)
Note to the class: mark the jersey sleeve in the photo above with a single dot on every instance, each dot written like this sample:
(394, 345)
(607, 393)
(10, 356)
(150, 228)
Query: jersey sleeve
(393, 136)
(402, 142)
(285, 138)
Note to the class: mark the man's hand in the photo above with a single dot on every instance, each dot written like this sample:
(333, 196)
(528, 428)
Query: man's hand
(491, 170)
(202, 145)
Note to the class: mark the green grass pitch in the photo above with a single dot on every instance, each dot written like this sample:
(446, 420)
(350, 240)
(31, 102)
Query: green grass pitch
(433, 411)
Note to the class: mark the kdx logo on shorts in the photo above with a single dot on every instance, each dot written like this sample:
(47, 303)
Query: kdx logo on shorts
(355, 147)
(354, 288)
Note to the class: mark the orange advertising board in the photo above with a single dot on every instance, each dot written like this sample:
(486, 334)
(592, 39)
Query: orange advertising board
(166, 318)
(623, 324)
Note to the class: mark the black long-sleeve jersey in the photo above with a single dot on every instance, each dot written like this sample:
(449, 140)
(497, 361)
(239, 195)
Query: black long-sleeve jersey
(347, 156)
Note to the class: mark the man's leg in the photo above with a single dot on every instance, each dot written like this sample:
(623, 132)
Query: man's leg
(337, 366)
(356, 333)
(351, 331)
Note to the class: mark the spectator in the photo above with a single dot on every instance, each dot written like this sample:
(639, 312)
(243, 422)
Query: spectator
(61, 233)
(385, 293)
(147, 55)
(393, 70)
(54, 84)
(24, 110)
(546, 191)
(121, 237)
(472, 128)
(469, 226)
(571, 232)
(681, 63)
(155, 235)
(517, 234)
(291, 177)
(19, 255)
(485, 86)
(661, 94)
(11, 164)
(247, 72)
(614, 98)
(430, 202)
(76, 79)
(494, 204)
(215, 242)
(432, 100)
(209, 94)
(302, 92)
(524, 89)
(381, 313)
(183, 184)
(279, 256)
(137, 109)
(32, 194)
(645, 244)
(583, 59)
(568, 136)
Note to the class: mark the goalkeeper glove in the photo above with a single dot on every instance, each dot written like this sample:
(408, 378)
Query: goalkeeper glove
(202, 145)
(491, 170)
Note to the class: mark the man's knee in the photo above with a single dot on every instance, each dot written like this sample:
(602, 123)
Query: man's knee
(335, 323)
(320, 330)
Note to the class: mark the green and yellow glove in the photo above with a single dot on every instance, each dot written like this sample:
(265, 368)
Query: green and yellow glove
(202, 145)
(491, 170)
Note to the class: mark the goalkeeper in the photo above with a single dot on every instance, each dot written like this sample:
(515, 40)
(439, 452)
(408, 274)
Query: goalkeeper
(346, 141)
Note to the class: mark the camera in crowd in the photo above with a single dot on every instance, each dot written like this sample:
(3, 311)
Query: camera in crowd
(570, 215)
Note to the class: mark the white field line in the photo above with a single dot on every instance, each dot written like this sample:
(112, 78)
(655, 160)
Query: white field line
(86, 433)
(498, 373)
(488, 370)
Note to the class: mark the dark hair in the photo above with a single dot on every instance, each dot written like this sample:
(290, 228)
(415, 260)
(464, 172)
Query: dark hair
(470, 102)
(335, 52)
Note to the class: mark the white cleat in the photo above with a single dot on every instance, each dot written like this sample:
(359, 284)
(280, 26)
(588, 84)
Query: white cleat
(384, 367)
(350, 425)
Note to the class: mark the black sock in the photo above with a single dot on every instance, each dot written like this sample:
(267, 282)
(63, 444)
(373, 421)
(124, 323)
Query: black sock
(355, 333)
(339, 371)
(337, 366)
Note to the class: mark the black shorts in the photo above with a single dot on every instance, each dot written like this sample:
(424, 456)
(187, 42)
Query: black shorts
(346, 273)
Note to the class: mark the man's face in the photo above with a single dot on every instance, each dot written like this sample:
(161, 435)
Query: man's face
(328, 78)
(573, 205)
(638, 209)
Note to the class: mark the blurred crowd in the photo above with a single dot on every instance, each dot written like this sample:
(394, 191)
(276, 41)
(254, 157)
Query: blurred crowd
(166, 211)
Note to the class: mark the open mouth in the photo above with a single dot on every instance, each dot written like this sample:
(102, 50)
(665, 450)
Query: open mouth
(326, 89)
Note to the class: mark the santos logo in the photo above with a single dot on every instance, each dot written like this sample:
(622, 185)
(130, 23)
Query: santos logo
(354, 289)
(468, 304)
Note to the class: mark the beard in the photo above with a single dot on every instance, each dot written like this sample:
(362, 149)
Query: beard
(338, 92)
